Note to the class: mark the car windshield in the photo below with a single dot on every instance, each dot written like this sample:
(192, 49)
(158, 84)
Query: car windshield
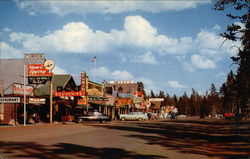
(94, 113)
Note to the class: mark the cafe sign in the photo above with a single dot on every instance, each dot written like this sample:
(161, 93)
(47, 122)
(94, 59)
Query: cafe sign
(10, 100)
(38, 70)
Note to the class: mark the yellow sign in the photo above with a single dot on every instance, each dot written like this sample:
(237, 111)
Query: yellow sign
(82, 101)
(94, 92)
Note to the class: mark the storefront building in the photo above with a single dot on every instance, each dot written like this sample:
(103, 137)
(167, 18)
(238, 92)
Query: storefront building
(128, 96)
(13, 74)
(65, 95)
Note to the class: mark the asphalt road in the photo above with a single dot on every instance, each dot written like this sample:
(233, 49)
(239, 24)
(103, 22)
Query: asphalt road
(174, 139)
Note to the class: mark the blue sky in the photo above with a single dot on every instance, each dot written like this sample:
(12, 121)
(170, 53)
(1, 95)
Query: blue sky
(172, 46)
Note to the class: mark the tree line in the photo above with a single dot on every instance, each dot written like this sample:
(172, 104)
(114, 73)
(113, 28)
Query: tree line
(194, 104)
(234, 94)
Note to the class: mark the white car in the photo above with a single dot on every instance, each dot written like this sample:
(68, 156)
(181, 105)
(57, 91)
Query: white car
(182, 116)
(134, 116)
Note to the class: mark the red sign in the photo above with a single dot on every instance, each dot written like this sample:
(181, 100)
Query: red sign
(69, 94)
(138, 93)
(38, 70)
(19, 89)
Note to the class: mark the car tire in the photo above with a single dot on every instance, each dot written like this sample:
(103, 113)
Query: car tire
(80, 121)
(123, 119)
(102, 121)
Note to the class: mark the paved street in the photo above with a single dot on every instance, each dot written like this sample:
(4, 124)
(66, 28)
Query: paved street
(189, 138)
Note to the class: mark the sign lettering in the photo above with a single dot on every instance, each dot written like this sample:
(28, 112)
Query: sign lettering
(19, 89)
(38, 70)
(10, 100)
(68, 94)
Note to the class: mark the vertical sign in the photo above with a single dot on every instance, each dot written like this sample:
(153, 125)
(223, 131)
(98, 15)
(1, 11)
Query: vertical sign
(83, 81)
(83, 88)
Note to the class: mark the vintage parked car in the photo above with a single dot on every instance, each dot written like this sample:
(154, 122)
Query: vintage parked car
(93, 116)
(181, 116)
(152, 116)
(134, 116)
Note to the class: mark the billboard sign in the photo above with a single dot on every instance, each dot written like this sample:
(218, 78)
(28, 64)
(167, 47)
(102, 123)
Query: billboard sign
(10, 100)
(19, 89)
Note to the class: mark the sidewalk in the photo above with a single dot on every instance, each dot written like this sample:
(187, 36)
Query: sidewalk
(35, 124)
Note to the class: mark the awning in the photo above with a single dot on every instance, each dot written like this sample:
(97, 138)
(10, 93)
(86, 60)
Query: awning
(103, 104)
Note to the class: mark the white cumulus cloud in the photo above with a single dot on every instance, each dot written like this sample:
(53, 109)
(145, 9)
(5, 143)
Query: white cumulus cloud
(147, 58)
(175, 85)
(200, 62)
(78, 37)
(105, 73)
(7, 52)
(211, 44)
(58, 70)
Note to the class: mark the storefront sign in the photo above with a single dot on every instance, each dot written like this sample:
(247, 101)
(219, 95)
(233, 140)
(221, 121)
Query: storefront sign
(38, 70)
(137, 100)
(138, 93)
(34, 56)
(123, 101)
(98, 99)
(10, 100)
(83, 81)
(37, 100)
(156, 99)
(39, 79)
(69, 94)
(19, 89)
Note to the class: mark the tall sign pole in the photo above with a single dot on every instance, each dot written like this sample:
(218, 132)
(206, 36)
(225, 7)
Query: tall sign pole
(51, 103)
(28, 57)
(49, 65)
(24, 95)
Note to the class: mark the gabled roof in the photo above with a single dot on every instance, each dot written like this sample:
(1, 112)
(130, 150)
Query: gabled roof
(58, 80)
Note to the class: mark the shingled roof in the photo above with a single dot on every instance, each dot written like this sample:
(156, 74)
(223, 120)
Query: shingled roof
(58, 80)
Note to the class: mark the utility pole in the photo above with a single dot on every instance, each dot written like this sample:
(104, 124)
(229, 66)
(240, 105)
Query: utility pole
(2, 104)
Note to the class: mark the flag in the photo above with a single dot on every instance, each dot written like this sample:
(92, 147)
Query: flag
(94, 59)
